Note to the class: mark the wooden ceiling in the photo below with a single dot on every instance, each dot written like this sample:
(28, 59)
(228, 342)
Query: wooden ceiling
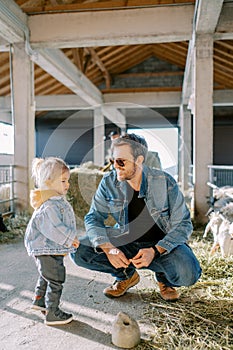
(103, 64)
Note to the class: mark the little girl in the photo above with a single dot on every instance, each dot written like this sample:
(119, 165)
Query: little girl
(50, 234)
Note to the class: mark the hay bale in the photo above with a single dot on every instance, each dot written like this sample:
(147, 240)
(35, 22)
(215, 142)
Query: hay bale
(83, 184)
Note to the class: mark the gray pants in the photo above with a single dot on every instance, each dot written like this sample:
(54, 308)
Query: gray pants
(52, 276)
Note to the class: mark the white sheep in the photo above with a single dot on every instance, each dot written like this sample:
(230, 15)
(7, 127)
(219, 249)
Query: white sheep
(222, 196)
(213, 225)
(221, 226)
(225, 238)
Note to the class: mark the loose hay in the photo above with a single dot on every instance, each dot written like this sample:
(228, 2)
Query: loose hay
(203, 317)
(16, 227)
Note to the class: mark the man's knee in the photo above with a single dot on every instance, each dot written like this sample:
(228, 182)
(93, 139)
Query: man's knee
(185, 269)
(82, 254)
(190, 273)
(193, 276)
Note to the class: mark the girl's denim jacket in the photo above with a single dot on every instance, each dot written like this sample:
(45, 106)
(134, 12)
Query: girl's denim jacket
(51, 229)
(163, 199)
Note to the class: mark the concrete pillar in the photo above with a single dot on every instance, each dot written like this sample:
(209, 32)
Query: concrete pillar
(24, 124)
(203, 121)
(99, 131)
(185, 148)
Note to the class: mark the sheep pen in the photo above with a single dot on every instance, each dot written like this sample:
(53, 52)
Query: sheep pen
(203, 316)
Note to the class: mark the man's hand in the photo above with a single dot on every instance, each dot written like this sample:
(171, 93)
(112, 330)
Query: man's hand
(143, 258)
(116, 257)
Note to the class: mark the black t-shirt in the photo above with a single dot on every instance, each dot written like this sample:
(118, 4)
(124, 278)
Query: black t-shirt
(142, 227)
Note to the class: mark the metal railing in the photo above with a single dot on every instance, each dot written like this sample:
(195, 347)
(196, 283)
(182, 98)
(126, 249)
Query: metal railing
(7, 197)
(221, 175)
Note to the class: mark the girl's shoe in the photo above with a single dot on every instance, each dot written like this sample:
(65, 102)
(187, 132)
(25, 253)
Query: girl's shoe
(57, 317)
(38, 303)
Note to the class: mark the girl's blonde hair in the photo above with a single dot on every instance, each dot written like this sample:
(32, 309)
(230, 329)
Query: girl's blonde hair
(47, 169)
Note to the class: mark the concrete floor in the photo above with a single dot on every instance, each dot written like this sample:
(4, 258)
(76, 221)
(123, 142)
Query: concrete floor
(23, 328)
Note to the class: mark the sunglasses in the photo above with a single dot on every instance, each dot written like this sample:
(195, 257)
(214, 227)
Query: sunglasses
(120, 162)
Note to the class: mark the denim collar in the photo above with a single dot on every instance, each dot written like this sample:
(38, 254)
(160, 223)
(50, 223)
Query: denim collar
(143, 188)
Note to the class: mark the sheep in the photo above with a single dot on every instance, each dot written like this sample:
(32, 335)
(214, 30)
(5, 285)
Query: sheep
(222, 196)
(225, 238)
(221, 226)
(213, 225)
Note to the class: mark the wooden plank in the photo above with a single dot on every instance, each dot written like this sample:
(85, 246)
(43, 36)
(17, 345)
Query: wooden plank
(78, 58)
(149, 74)
(133, 56)
(172, 49)
(226, 44)
(97, 5)
(225, 55)
(52, 88)
(152, 89)
(165, 55)
(223, 67)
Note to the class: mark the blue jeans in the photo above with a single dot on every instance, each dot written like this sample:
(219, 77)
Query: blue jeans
(178, 268)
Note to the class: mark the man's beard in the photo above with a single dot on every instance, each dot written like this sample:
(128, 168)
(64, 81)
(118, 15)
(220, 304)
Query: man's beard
(129, 176)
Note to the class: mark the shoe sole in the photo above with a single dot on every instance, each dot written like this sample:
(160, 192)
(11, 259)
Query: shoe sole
(38, 308)
(57, 323)
(170, 300)
(119, 295)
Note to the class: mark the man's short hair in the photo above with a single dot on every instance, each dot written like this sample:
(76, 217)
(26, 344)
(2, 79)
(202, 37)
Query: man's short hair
(137, 144)
(113, 133)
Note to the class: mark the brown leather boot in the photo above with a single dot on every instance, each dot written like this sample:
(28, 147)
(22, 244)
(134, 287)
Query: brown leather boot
(168, 293)
(119, 288)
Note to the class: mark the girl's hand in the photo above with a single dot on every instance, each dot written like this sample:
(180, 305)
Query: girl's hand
(76, 243)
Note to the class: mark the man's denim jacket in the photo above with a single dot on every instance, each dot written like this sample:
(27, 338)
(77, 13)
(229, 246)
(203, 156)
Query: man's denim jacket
(163, 199)
(51, 229)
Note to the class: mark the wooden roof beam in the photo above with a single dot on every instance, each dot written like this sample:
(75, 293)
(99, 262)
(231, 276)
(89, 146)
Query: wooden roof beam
(120, 100)
(134, 26)
(224, 30)
(92, 5)
(78, 58)
(99, 63)
(56, 63)
(13, 22)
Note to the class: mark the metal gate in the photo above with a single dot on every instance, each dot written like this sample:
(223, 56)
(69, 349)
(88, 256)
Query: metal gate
(7, 198)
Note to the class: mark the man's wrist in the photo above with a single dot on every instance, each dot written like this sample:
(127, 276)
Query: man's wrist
(113, 251)
(157, 253)
(105, 247)
(108, 248)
